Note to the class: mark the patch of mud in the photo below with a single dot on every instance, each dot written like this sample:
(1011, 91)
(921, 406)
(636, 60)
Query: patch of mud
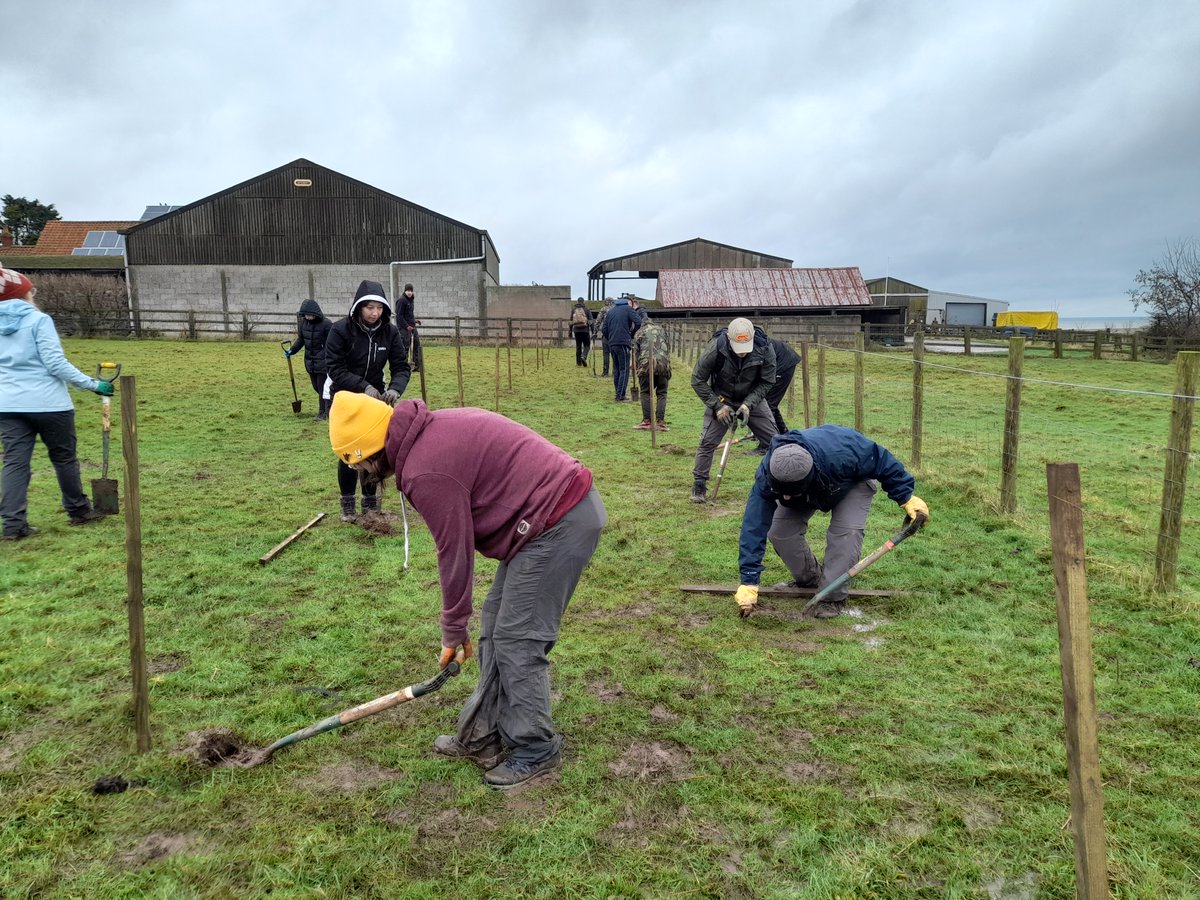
(348, 778)
(377, 522)
(159, 845)
(654, 761)
(638, 827)
(675, 450)
(168, 662)
(13, 749)
(270, 624)
(695, 620)
(220, 747)
(907, 827)
(979, 817)
(797, 738)
(660, 715)
(639, 611)
(606, 694)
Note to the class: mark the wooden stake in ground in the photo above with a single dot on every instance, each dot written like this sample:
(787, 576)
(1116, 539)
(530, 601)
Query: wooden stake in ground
(1179, 445)
(133, 564)
(918, 402)
(278, 548)
(497, 373)
(508, 352)
(807, 387)
(1012, 426)
(1079, 692)
(820, 384)
(860, 353)
(458, 358)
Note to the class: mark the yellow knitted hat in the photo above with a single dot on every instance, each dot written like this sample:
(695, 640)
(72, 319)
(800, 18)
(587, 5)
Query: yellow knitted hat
(357, 426)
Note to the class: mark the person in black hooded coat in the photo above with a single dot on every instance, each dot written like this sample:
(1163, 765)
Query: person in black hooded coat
(358, 348)
(313, 328)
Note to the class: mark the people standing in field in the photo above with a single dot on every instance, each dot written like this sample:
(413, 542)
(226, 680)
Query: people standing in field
(732, 377)
(830, 468)
(407, 322)
(581, 328)
(651, 342)
(619, 326)
(35, 403)
(313, 330)
(357, 351)
(785, 369)
(598, 333)
(483, 483)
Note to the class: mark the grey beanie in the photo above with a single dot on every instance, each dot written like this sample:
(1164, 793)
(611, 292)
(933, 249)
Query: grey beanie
(790, 464)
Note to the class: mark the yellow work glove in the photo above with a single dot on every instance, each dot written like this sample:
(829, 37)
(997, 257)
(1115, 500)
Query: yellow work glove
(449, 653)
(747, 599)
(915, 508)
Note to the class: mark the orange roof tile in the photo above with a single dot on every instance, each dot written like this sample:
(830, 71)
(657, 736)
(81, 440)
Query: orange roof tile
(59, 238)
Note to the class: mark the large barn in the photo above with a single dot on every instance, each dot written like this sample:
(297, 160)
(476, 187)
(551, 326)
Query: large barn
(301, 231)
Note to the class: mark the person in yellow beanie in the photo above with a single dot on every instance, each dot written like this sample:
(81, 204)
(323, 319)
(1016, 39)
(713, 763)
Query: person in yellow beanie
(483, 483)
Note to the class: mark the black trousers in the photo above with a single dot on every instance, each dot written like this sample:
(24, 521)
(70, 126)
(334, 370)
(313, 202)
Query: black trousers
(583, 344)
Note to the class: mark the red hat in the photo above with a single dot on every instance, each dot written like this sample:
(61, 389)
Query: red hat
(14, 285)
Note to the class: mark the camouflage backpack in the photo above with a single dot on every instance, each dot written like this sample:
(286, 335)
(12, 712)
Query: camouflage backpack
(651, 338)
(579, 317)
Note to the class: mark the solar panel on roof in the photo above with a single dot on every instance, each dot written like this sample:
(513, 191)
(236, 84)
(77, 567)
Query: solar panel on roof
(93, 238)
(153, 212)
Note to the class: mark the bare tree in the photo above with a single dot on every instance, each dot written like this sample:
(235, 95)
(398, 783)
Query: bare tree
(1170, 291)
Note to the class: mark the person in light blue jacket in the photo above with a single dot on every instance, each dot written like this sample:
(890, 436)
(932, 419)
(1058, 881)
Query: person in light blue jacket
(34, 402)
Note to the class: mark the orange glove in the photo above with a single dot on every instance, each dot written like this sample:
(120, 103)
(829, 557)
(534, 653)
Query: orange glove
(449, 653)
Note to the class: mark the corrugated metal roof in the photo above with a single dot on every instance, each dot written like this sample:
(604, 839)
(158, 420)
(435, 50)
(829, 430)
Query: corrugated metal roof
(761, 288)
(694, 254)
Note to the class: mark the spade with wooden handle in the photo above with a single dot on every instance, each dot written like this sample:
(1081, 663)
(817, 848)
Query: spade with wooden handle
(105, 496)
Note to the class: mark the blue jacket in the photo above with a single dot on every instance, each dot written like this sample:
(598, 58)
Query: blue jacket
(34, 372)
(842, 458)
(620, 324)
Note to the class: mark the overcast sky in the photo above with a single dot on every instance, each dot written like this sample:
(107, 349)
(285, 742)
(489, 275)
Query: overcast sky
(1034, 152)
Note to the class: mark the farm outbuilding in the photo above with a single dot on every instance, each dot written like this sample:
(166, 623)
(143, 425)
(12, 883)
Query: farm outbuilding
(302, 231)
(697, 253)
(934, 307)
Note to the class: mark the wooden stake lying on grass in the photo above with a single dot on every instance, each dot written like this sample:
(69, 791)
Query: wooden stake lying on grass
(267, 557)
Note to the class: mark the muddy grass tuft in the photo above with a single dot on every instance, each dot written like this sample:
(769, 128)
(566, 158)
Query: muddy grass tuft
(377, 522)
(220, 747)
(654, 761)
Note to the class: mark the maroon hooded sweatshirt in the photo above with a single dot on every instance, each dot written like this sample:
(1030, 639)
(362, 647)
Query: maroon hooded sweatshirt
(481, 482)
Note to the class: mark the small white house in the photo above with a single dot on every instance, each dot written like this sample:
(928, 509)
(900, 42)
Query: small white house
(962, 309)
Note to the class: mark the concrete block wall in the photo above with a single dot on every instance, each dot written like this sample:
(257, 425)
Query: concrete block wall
(441, 290)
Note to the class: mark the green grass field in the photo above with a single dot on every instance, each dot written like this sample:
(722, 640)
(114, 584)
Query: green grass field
(914, 749)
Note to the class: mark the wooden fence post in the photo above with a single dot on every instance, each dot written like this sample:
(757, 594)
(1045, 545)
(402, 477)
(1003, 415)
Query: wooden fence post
(1012, 426)
(966, 340)
(820, 384)
(1058, 344)
(133, 564)
(522, 348)
(1170, 526)
(1133, 347)
(508, 351)
(1096, 344)
(458, 357)
(918, 401)
(791, 396)
(859, 378)
(806, 386)
(1079, 690)
(191, 326)
(245, 325)
(537, 345)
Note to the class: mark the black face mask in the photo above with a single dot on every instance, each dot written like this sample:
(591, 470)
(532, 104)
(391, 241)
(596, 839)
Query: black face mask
(791, 488)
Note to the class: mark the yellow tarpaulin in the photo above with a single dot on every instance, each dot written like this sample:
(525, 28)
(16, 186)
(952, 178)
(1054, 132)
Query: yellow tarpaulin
(1044, 321)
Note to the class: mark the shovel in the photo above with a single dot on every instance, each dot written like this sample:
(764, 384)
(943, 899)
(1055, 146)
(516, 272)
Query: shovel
(104, 489)
(292, 373)
(729, 442)
(909, 529)
(248, 759)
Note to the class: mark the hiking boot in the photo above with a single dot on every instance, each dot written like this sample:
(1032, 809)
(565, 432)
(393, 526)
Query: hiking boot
(829, 610)
(699, 492)
(812, 582)
(86, 517)
(644, 425)
(370, 504)
(348, 514)
(448, 745)
(661, 426)
(27, 531)
(512, 773)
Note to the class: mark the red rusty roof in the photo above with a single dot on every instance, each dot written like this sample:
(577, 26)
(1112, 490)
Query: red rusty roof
(59, 238)
(761, 288)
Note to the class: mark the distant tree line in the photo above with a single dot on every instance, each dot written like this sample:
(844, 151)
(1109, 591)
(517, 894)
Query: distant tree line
(25, 218)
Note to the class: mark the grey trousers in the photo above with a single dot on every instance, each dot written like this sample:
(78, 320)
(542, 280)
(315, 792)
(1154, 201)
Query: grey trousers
(762, 426)
(18, 433)
(843, 540)
(519, 627)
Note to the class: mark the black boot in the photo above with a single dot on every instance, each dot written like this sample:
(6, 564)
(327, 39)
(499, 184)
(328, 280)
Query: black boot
(699, 491)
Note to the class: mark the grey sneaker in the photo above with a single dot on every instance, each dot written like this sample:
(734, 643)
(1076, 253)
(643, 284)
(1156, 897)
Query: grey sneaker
(448, 745)
(829, 610)
(512, 773)
(27, 531)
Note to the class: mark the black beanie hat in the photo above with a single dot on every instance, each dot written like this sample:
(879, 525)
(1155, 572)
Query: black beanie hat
(408, 287)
